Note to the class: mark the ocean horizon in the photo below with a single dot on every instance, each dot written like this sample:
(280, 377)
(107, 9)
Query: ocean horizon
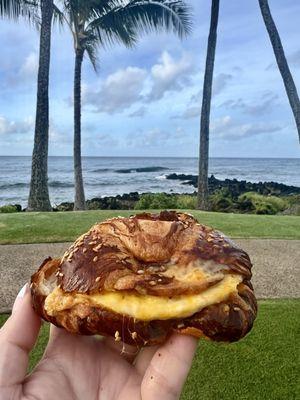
(110, 176)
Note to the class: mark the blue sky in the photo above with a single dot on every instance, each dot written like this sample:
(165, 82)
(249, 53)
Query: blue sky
(146, 101)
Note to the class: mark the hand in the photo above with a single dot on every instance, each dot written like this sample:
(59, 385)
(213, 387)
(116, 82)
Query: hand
(79, 367)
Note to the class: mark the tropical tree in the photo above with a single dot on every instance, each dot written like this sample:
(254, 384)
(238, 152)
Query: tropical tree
(202, 198)
(283, 66)
(97, 23)
(39, 195)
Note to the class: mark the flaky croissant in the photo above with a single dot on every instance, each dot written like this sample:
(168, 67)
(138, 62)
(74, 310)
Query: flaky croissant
(141, 278)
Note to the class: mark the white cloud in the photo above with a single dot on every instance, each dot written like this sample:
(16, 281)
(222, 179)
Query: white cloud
(227, 129)
(155, 137)
(170, 75)
(29, 68)
(117, 92)
(11, 127)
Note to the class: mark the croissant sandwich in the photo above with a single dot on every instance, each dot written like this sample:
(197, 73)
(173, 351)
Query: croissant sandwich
(141, 278)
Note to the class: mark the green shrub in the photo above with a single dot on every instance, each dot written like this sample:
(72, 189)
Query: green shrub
(221, 201)
(155, 201)
(10, 208)
(187, 202)
(263, 204)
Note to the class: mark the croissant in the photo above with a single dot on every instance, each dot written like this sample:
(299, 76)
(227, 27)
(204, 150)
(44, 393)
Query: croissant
(141, 278)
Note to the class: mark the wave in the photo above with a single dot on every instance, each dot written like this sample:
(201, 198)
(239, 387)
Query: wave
(101, 170)
(58, 184)
(142, 169)
(14, 185)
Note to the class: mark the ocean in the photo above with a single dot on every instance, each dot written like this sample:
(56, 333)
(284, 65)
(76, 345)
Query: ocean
(102, 175)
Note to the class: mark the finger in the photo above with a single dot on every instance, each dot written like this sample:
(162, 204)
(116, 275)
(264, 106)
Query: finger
(168, 368)
(127, 351)
(143, 359)
(17, 338)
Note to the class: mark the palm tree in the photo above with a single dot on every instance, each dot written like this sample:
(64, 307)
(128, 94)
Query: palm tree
(202, 198)
(285, 72)
(95, 23)
(39, 195)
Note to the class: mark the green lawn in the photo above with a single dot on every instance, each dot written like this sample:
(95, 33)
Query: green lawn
(66, 226)
(263, 366)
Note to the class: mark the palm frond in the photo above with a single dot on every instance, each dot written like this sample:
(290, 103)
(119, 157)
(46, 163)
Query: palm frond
(58, 16)
(110, 29)
(91, 49)
(149, 15)
(19, 8)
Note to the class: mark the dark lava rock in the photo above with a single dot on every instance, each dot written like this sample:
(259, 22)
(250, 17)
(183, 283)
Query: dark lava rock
(236, 187)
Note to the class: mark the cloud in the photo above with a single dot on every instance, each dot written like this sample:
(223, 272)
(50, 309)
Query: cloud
(227, 129)
(140, 112)
(257, 108)
(170, 75)
(155, 137)
(29, 69)
(117, 92)
(11, 127)
(220, 82)
(191, 112)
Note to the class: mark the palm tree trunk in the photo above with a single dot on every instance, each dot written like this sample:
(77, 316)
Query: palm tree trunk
(39, 195)
(79, 203)
(202, 198)
(286, 75)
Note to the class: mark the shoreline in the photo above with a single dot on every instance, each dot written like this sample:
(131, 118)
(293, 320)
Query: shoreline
(228, 195)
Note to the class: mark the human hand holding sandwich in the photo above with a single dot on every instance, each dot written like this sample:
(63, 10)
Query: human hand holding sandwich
(81, 367)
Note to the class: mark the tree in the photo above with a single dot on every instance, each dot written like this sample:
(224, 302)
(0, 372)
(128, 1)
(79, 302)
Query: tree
(39, 195)
(95, 23)
(202, 198)
(285, 72)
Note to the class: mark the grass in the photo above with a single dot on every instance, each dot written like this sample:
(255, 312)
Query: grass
(263, 366)
(66, 226)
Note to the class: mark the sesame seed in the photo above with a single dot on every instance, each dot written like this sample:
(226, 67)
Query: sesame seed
(95, 259)
(210, 239)
(76, 249)
(159, 280)
(97, 279)
(61, 274)
(134, 335)
(152, 283)
(179, 326)
(140, 271)
(236, 308)
(226, 308)
(84, 250)
(31, 285)
(57, 273)
(117, 336)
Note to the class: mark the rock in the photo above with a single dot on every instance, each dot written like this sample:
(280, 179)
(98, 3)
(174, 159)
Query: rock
(236, 187)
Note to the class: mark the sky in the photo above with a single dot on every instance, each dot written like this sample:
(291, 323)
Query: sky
(146, 101)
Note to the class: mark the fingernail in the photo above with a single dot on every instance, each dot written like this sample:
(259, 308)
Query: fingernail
(22, 292)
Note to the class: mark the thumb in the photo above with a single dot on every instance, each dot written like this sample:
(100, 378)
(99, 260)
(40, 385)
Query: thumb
(17, 338)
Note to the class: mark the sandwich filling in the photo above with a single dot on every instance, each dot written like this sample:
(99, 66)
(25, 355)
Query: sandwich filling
(145, 307)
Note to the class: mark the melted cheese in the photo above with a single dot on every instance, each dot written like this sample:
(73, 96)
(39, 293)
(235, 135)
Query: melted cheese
(145, 308)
